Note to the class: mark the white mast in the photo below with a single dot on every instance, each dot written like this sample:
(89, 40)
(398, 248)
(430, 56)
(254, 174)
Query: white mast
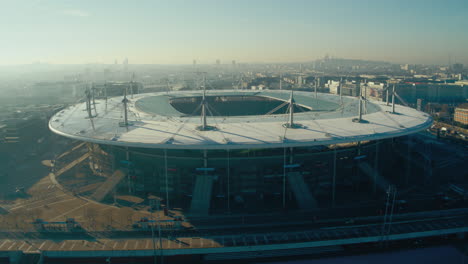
(203, 110)
(291, 110)
(340, 87)
(316, 83)
(88, 102)
(125, 101)
(386, 99)
(360, 109)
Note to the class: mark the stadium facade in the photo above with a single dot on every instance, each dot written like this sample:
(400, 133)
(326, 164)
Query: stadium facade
(240, 151)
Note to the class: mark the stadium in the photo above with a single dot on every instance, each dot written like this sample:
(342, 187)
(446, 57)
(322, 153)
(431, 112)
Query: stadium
(241, 151)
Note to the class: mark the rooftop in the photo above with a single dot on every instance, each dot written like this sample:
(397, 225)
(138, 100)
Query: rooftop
(155, 123)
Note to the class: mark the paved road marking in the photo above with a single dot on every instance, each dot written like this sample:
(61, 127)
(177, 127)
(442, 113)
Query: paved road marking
(48, 204)
(22, 245)
(69, 211)
(4, 243)
(14, 243)
(29, 248)
(25, 204)
(52, 244)
(63, 244)
(40, 247)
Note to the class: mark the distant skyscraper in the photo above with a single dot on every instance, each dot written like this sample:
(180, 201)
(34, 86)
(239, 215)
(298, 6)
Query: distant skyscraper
(194, 63)
(300, 80)
(234, 62)
(457, 68)
(218, 62)
(125, 64)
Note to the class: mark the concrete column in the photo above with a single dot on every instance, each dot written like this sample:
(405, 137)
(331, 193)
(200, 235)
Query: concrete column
(205, 160)
(41, 259)
(15, 257)
(376, 166)
(334, 178)
(428, 162)
(358, 173)
(167, 184)
(284, 177)
(127, 157)
(291, 158)
(408, 162)
(228, 181)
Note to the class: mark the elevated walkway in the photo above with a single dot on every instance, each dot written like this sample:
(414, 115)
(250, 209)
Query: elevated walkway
(380, 181)
(103, 190)
(72, 164)
(201, 197)
(301, 192)
(71, 150)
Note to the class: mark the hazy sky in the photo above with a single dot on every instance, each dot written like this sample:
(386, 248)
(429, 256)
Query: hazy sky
(176, 32)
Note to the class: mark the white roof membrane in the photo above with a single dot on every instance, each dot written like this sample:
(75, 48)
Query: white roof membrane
(165, 128)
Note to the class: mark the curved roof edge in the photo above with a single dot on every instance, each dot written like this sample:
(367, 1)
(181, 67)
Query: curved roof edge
(285, 143)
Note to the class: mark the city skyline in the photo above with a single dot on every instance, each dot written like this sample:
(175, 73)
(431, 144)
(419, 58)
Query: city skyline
(70, 32)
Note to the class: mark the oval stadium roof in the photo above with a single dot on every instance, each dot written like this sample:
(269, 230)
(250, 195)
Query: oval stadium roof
(155, 123)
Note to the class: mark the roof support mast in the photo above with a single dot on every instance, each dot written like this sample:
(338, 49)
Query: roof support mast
(105, 93)
(386, 97)
(291, 110)
(340, 86)
(291, 103)
(360, 109)
(365, 96)
(88, 102)
(360, 104)
(93, 93)
(203, 110)
(125, 101)
(131, 84)
(204, 107)
(315, 87)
